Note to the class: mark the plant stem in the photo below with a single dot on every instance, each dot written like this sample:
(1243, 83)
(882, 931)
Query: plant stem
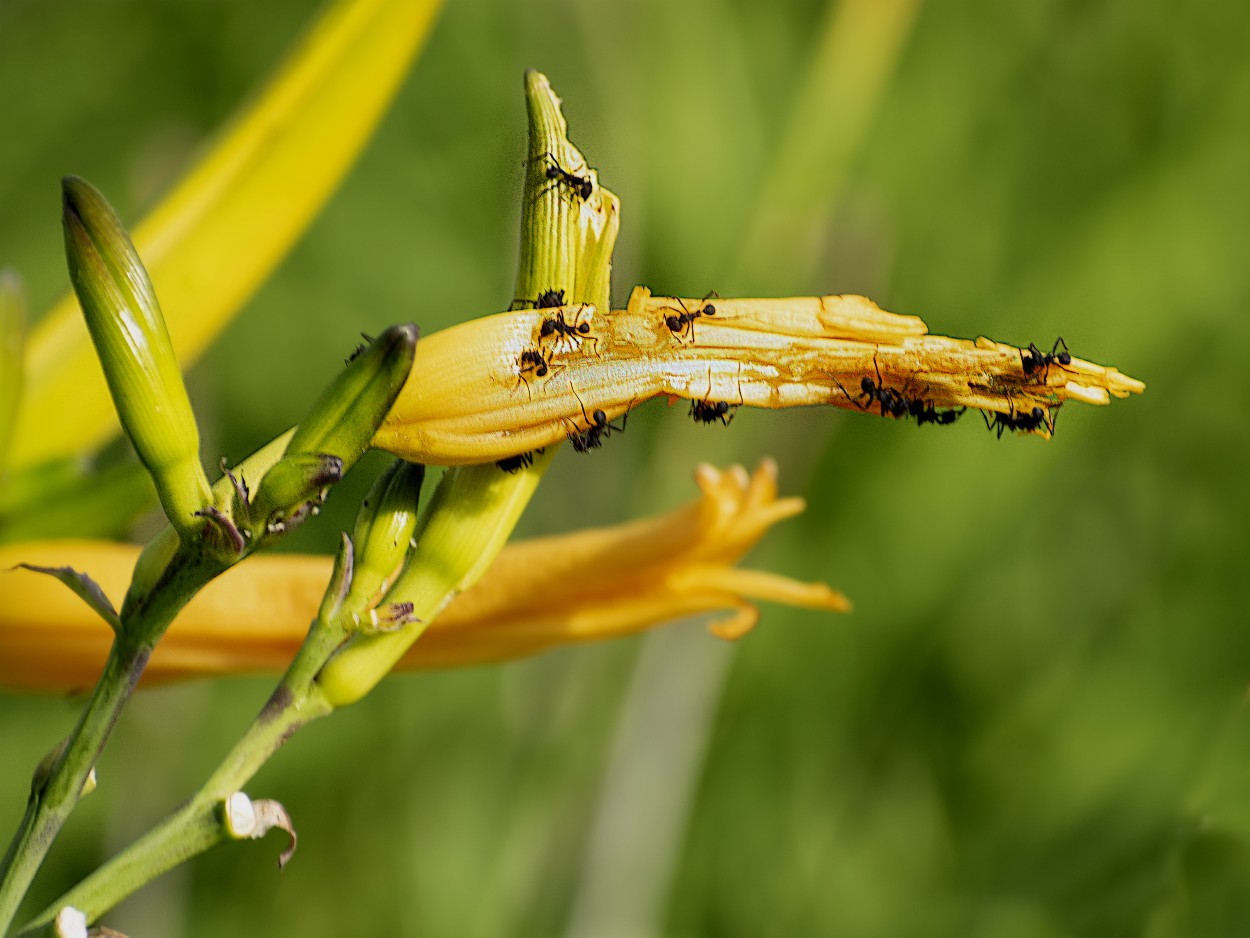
(199, 825)
(52, 803)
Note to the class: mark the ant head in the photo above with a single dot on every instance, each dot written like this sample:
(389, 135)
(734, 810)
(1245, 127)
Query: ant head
(709, 310)
(599, 418)
(583, 328)
(585, 189)
(541, 370)
(1038, 414)
(868, 385)
(1065, 358)
(722, 408)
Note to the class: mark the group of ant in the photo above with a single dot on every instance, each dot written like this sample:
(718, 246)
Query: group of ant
(900, 404)
(538, 363)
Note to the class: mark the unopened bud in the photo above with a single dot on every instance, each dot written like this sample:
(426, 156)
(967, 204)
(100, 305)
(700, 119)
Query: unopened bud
(292, 490)
(348, 413)
(383, 534)
(130, 338)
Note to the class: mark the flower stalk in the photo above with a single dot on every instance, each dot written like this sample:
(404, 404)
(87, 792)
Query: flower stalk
(467, 523)
(181, 560)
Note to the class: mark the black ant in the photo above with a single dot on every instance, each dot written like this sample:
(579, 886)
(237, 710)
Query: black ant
(1035, 358)
(683, 323)
(582, 186)
(534, 360)
(708, 411)
(520, 461)
(926, 412)
(557, 325)
(535, 363)
(548, 299)
(359, 350)
(598, 429)
(712, 411)
(1035, 419)
(895, 403)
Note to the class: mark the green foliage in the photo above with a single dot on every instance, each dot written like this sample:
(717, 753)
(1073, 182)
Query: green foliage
(1033, 722)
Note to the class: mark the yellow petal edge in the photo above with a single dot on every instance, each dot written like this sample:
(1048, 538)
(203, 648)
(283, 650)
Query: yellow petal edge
(586, 586)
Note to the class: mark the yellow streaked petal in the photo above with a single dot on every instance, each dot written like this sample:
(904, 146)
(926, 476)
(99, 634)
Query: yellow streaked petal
(470, 399)
(233, 217)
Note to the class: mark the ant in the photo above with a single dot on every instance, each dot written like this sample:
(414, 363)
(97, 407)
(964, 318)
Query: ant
(712, 411)
(535, 363)
(895, 403)
(513, 464)
(683, 323)
(557, 325)
(1035, 358)
(548, 299)
(708, 411)
(359, 350)
(582, 186)
(598, 429)
(534, 360)
(1035, 419)
(926, 412)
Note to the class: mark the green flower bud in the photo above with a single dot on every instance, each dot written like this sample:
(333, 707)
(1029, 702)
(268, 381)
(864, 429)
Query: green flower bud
(292, 490)
(347, 415)
(12, 339)
(130, 338)
(382, 538)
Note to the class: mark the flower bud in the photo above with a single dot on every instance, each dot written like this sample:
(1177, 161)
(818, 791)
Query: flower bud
(347, 415)
(383, 535)
(292, 490)
(130, 337)
(469, 518)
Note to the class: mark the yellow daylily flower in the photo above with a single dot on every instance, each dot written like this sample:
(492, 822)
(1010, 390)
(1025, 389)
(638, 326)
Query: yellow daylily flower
(586, 586)
(502, 385)
(228, 223)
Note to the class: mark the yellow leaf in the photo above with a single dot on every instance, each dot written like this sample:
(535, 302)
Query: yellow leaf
(230, 221)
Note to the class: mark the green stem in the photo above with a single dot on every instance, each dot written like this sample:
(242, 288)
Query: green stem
(52, 803)
(199, 825)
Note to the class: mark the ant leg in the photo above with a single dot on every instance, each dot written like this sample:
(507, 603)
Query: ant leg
(845, 393)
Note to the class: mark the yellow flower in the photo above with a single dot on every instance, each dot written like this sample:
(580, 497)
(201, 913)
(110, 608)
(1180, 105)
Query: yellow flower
(506, 384)
(586, 586)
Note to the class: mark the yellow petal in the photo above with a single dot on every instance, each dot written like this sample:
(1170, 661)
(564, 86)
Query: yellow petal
(217, 236)
(586, 586)
(471, 397)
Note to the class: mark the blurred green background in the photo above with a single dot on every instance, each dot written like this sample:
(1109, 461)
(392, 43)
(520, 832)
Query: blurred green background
(1034, 721)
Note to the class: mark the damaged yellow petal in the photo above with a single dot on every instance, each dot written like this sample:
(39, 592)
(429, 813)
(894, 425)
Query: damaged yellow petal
(585, 586)
(518, 381)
